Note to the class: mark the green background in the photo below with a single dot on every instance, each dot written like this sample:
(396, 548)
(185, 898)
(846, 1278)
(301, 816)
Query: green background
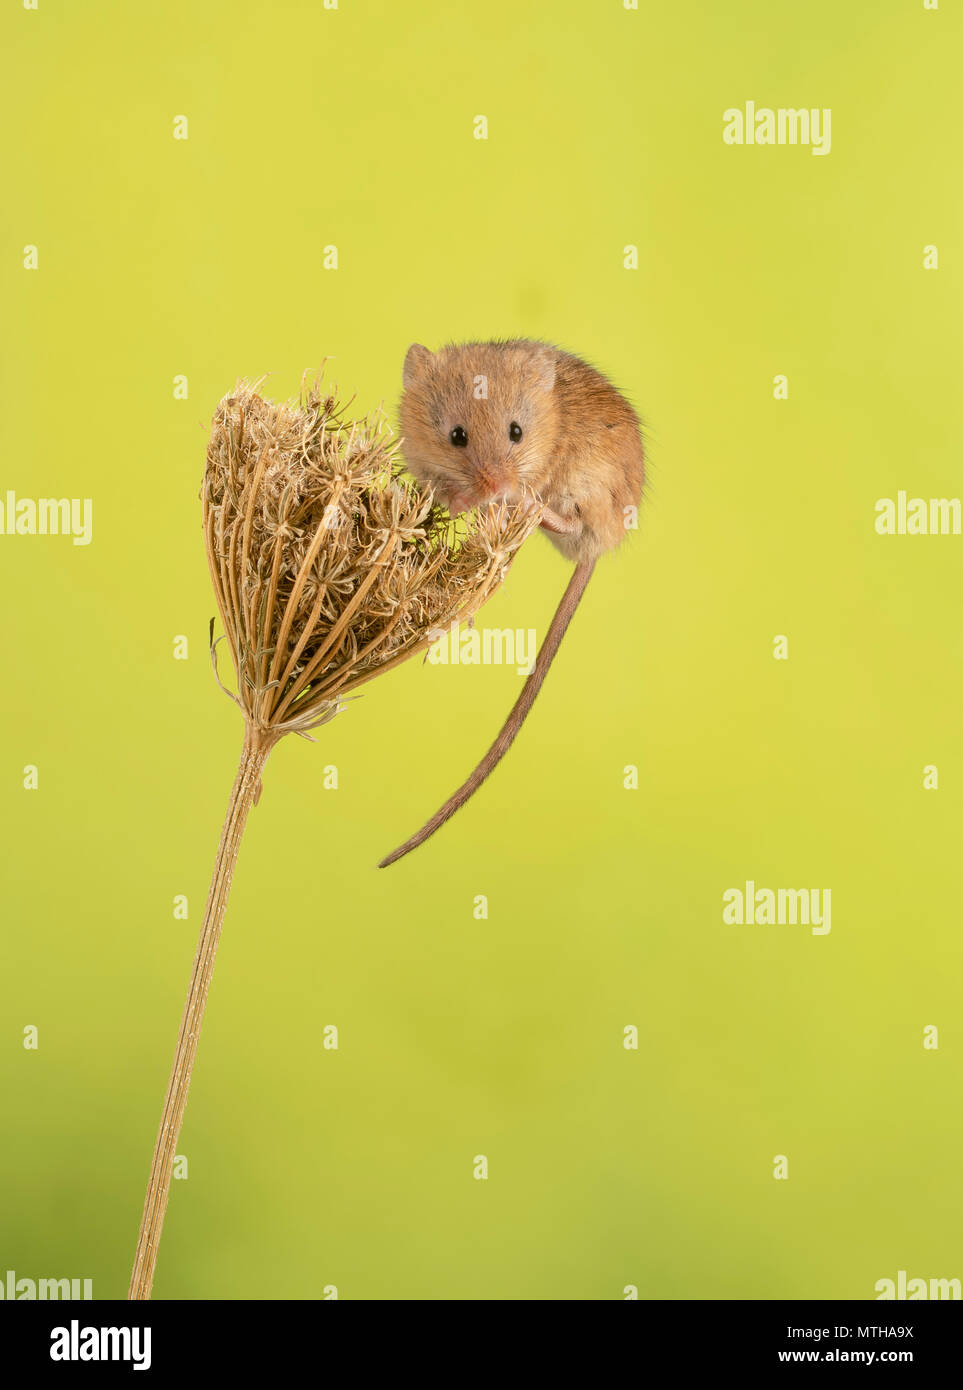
(501, 1037)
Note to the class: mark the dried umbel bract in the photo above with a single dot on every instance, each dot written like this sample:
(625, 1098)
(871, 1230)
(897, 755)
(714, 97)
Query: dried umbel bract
(327, 564)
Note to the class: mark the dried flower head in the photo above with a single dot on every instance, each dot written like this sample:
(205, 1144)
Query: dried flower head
(328, 565)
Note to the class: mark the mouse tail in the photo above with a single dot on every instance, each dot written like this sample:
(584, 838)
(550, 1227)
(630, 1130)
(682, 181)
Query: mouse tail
(563, 616)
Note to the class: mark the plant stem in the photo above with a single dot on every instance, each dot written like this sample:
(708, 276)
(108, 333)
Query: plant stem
(257, 746)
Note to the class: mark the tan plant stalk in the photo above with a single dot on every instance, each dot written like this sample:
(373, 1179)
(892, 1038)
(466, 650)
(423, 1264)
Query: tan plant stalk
(328, 568)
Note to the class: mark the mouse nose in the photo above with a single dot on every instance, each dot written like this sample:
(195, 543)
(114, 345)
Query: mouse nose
(492, 481)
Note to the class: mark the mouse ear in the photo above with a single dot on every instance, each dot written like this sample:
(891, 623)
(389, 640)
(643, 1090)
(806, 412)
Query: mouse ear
(416, 363)
(545, 368)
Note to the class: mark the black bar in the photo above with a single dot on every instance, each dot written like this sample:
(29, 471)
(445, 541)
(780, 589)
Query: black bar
(665, 1340)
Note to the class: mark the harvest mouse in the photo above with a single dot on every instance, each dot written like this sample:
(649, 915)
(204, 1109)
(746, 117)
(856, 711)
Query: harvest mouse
(483, 422)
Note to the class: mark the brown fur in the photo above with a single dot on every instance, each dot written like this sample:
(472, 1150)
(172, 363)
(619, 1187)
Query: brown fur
(580, 454)
(581, 448)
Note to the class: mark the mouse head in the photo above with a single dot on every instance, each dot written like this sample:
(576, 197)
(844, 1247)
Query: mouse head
(479, 419)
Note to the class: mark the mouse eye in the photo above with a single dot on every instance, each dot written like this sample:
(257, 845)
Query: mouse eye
(514, 431)
(458, 437)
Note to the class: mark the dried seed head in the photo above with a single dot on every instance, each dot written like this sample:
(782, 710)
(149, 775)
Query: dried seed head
(328, 565)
